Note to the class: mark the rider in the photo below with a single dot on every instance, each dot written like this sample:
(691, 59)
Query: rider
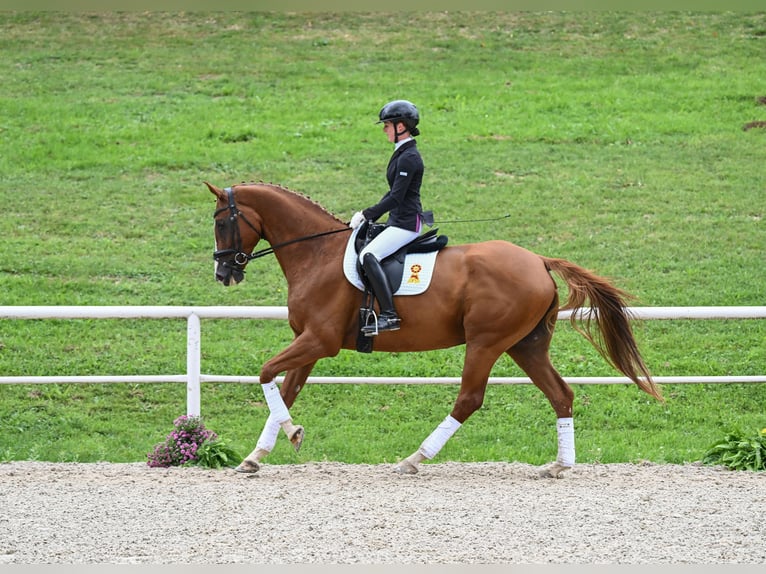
(402, 202)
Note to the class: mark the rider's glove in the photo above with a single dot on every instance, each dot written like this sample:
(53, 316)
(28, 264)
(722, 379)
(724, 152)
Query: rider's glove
(356, 220)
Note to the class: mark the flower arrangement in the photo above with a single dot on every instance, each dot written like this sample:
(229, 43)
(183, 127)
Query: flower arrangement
(190, 443)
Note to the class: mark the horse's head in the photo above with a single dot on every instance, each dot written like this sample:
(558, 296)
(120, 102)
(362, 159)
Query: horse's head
(236, 236)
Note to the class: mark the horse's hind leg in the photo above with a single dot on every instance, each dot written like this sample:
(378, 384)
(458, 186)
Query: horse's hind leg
(292, 385)
(476, 369)
(531, 354)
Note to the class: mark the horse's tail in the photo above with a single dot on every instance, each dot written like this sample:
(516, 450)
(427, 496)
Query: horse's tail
(614, 338)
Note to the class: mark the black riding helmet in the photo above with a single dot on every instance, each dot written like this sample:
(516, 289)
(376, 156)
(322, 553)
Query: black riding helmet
(401, 111)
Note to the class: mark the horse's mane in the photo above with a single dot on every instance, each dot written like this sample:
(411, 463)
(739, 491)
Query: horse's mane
(302, 196)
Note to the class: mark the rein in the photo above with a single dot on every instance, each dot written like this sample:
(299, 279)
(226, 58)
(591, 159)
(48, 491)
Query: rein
(240, 258)
(272, 249)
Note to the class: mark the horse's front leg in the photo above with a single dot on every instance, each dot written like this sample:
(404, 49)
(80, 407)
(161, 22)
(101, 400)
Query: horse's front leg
(292, 385)
(297, 359)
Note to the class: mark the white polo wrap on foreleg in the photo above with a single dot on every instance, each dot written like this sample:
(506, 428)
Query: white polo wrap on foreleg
(276, 404)
(437, 439)
(565, 428)
(269, 435)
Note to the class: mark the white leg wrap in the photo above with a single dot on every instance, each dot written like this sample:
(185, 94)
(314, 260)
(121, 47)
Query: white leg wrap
(276, 404)
(269, 434)
(565, 428)
(437, 439)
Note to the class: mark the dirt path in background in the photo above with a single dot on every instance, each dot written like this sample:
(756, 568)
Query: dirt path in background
(338, 513)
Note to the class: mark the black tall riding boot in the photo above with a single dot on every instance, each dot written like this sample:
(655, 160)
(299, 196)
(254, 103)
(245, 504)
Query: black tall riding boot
(388, 320)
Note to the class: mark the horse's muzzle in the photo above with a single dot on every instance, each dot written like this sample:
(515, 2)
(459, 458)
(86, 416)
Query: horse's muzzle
(227, 272)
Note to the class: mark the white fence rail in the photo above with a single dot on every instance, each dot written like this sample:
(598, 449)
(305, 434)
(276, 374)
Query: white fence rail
(193, 377)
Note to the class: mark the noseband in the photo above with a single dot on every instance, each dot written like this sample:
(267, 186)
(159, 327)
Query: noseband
(241, 258)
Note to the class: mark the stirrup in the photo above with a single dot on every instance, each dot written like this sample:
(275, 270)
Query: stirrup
(370, 327)
(381, 323)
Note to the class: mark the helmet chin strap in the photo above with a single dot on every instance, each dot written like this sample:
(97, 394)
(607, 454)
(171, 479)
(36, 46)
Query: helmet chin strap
(399, 133)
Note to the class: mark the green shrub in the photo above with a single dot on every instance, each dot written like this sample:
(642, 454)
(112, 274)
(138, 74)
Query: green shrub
(738, 451)
(217, 453)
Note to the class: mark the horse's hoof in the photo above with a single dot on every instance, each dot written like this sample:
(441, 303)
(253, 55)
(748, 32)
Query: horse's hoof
(555, 470)
(406, 467)
(297, 438)
(248, 467)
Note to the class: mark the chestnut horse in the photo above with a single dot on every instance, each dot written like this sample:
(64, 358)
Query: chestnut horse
(494, 297)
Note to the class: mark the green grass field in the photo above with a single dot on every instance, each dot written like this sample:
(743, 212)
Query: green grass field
(614, 140)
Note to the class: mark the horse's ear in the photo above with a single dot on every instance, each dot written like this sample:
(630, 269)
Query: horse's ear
(219, 193)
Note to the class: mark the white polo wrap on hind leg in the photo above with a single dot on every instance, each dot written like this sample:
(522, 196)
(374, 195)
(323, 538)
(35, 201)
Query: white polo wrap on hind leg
(565, 428)
(276, 404)
(437, 439)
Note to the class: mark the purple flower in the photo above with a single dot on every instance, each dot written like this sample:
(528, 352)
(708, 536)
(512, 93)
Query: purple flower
(181, 444)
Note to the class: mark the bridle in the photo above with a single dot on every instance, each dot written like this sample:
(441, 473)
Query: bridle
(241, 258)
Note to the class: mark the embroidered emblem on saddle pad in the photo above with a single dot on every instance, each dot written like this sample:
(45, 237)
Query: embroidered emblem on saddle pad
(416, 273)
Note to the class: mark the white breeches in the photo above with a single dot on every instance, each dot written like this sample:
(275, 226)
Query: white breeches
(387, 242)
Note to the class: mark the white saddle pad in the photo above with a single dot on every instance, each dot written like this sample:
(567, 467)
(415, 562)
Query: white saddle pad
(418, 269)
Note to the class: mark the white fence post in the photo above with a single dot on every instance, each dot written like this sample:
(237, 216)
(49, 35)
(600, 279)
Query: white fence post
(193, 362)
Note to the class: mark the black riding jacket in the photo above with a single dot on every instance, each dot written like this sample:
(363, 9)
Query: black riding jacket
(404, 174)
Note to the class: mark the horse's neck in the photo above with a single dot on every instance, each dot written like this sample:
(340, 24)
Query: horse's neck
(288, 216)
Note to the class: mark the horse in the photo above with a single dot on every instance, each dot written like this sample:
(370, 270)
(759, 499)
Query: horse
(494, 297)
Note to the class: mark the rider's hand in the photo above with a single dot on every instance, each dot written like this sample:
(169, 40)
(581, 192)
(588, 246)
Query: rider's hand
(356, 220)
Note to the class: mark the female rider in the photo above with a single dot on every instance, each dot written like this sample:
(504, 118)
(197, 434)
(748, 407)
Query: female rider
(402, 202)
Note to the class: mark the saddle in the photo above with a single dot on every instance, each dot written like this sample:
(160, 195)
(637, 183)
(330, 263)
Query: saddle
(393, 267)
